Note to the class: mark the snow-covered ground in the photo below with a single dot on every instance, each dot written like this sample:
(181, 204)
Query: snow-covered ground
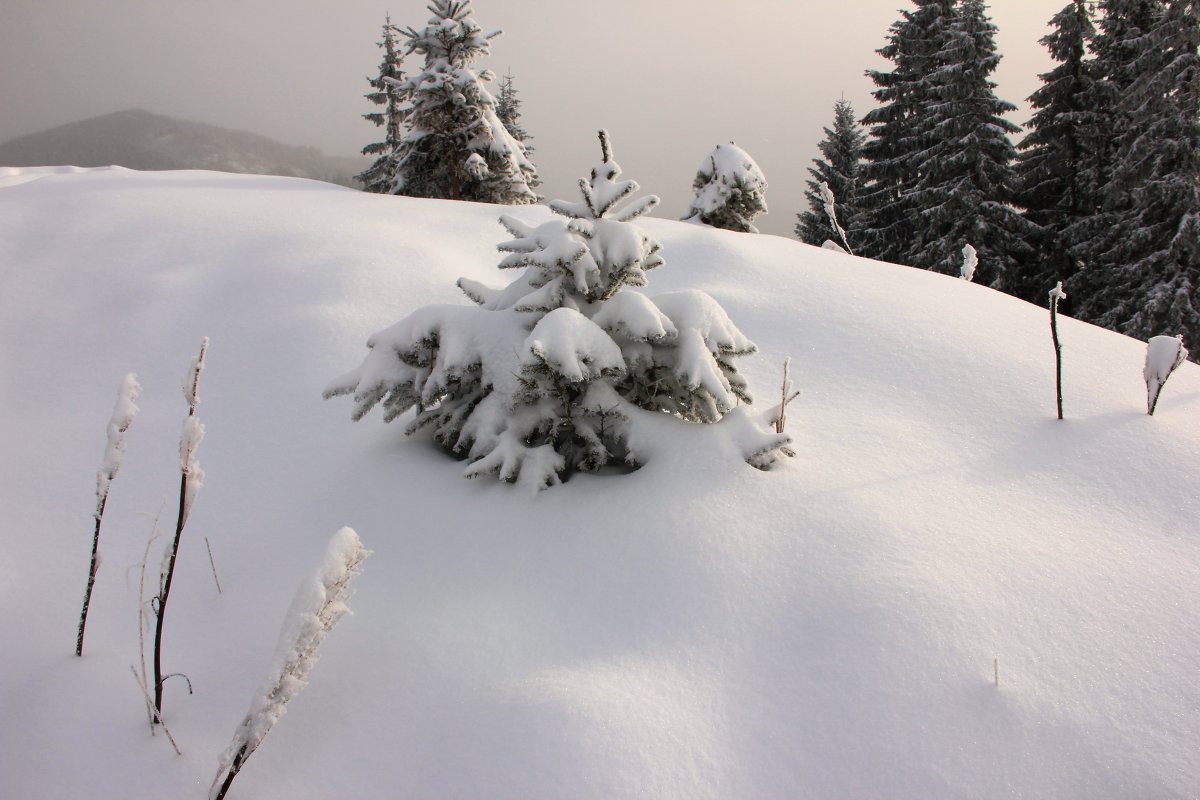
(695, 629)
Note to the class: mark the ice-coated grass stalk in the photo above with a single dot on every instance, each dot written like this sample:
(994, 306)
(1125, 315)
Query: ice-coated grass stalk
(193, 431)
(319, 604)
(786, 396)
(1057, 294)
(122, 417)
(212, 564)
(830, 204)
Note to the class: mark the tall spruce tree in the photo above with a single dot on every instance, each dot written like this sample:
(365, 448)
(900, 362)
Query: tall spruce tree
(965, 183)
(839, 169)
(1096, 237)
(381, 175)
(1151, 278)
(1059, 164)
(906, 94)
(456, 147)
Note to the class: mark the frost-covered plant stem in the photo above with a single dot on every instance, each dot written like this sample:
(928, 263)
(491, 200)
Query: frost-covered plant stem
(1057, 294)
(970, 262)
(319, 604)
(193, 431)
(122, 417)
(830, 204)
(786, 396)
(1164, 354)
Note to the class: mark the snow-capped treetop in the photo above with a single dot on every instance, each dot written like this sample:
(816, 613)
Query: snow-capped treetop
(451, 35)
(730, 190)
(603, 192)
(456, 147)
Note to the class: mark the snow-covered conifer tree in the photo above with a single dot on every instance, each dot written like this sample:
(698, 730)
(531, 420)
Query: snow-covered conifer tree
(1150, 272)
(839, 170)
(1057, 169)
(556, 371)
(1097, 285)
(906, 95)
(508, 109)
(456, 147)
(964, 182)
(381, 176)
(730, 190)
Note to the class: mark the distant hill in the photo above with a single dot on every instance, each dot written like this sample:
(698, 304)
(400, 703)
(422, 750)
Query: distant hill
(140, 140)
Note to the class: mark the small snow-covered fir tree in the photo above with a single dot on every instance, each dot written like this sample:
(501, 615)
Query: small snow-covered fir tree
(381, 176)
(838, 170)
(730, 190)
(557, 371)
(456, 147)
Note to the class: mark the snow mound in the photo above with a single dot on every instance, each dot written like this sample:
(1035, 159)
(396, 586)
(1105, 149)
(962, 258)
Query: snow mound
(693, 629)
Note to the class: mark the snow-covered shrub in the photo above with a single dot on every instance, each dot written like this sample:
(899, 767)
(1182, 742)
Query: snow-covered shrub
(730, 190)
(1164, 354)
(456, 147)
(550, 374)
(123, 415)
(317, 607)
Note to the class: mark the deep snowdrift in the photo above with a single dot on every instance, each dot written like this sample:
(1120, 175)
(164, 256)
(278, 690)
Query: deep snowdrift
(694, 629)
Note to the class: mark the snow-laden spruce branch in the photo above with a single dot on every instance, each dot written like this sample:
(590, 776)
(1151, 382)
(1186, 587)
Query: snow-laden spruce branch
(191, 479)
(122, 417)
(319, 604)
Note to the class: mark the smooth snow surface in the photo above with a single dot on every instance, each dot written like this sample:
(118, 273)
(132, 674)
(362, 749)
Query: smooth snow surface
(694, 629)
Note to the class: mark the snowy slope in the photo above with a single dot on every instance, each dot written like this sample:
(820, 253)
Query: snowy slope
(694, 629)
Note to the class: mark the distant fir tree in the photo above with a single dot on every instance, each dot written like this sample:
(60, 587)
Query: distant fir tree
(839, 169)
(1062, 156)
(508, 109)
(456, 147)
(381, 175)
(964, 181)
(1151, 272)
(730, 190)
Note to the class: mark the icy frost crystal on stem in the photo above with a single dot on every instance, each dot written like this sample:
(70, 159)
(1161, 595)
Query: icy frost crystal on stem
(558, 371)
(317, 607)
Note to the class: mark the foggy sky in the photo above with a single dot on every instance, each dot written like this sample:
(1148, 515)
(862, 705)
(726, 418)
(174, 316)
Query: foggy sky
(669, 79)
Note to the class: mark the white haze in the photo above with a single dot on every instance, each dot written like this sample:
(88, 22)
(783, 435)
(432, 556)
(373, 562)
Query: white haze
(669, 79)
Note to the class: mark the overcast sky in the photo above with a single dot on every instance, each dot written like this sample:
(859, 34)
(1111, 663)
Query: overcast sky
(669, 79)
